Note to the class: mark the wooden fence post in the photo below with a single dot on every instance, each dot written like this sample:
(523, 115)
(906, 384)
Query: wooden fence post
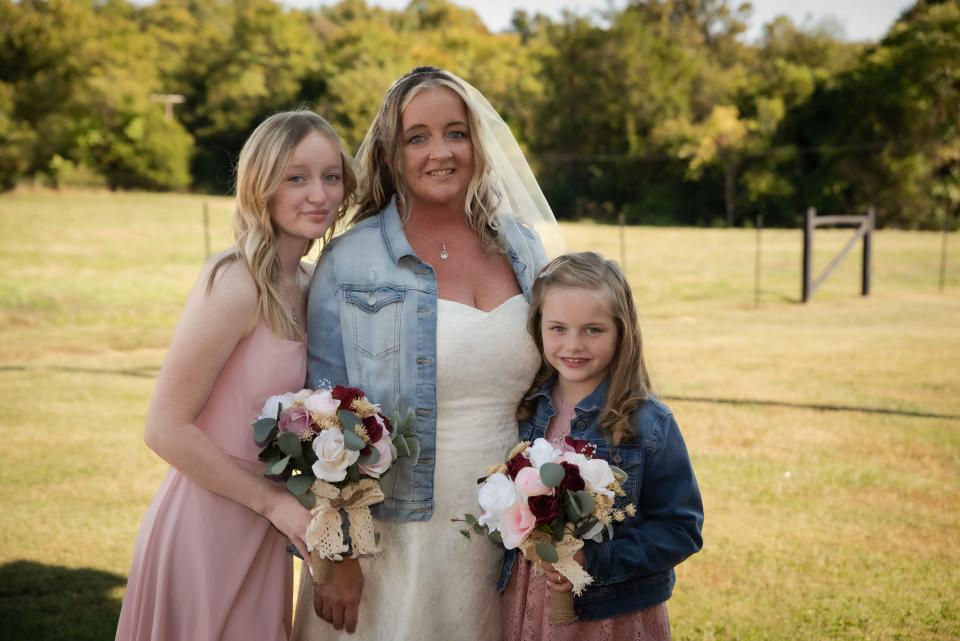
(870, 223)
(808, 223)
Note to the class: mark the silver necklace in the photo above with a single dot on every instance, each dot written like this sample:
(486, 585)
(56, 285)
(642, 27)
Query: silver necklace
(444, 254)
(296, 320)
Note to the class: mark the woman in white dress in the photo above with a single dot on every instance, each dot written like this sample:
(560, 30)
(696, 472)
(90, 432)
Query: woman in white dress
(423, 303)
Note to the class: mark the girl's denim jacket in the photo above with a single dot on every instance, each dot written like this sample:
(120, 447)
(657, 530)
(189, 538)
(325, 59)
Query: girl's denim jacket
(372, 320)
(634, 569)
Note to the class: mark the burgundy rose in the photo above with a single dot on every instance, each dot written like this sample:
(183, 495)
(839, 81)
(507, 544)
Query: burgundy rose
(346, 395)
(579, 446)
(387, 425)
(545, 508)
(294, 419)
(374, 428)
(517, 463)
(571, 479)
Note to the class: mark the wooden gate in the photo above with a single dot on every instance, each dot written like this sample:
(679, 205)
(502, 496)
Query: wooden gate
(865, 225)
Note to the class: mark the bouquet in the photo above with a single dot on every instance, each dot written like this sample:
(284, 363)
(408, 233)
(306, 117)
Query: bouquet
(330, 447)
(546, 502)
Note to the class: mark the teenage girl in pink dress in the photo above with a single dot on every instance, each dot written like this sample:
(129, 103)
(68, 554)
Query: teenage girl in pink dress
(210, 560)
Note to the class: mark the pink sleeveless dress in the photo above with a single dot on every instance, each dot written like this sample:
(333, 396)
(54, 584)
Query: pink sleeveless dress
(525, 615)
(204, 567)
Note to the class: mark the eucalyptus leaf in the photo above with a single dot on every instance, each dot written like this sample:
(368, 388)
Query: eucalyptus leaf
(586, 502)
(351, 441)
(400, 443)
(572, 507)
(278, 466)
(551, 474)
(406, 423)
(290, 444)
(349, 420)
(369, 459)
(307, 500)
(414, 446)
(547, 552)
(299, 484)
(471, 519)
(353, 473)
(263, 429)
(496, 537)
(465, 533)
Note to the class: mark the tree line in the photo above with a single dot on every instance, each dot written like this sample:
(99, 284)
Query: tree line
(661, 111)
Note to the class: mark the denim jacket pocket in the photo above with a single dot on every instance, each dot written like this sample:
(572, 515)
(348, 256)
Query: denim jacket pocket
(629, 458)
(373, 312)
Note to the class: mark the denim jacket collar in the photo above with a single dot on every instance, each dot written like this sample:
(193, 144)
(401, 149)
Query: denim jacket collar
(394, 237)
(592, 403)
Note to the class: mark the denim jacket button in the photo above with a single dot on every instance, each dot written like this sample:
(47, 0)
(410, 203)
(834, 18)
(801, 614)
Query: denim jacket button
(617, 458)
(581, 424)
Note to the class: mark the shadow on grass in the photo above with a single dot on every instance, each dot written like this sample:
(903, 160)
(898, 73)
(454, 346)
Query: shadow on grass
(822, 407)
(48, 602)
(148, 371)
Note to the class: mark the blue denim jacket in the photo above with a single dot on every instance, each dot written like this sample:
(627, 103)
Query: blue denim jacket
(372, 317)
(634, 569)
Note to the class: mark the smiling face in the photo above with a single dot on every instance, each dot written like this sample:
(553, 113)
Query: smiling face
(437, 152)
(579, 339)
(311, 190)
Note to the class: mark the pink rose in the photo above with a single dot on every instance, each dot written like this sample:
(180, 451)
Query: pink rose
(295, 419)
(516, 524)
(322, 403)
(529, 483)
(386, 458)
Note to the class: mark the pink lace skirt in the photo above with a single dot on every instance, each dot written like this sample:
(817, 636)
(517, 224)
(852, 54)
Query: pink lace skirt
(525, 615)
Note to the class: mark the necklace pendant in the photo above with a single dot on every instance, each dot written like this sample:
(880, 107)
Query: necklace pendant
(443, 252)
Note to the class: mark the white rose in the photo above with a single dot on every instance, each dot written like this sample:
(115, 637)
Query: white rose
(542, 452)
(333, 458)
(276, 404)
(596, 472)
(496, 495)
(302, 396)
(322, 402)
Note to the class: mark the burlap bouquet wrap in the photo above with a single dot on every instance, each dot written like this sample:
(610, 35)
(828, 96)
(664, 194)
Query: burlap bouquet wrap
(561, 603)
(324, 536)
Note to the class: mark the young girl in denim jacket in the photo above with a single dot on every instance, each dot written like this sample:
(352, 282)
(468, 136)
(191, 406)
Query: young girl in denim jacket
(593, 386)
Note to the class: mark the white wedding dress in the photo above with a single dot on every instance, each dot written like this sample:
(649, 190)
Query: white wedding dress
(429, 582)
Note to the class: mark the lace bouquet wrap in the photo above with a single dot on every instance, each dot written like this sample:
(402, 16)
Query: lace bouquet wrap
(546, 502)
(330, 446)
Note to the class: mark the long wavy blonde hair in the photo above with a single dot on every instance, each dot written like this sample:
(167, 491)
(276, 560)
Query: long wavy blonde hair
(381, 163)
(629, 379)
(260, 170)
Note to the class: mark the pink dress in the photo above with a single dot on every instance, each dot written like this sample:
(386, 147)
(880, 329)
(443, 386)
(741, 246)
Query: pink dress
(204, 567)
(526, 600)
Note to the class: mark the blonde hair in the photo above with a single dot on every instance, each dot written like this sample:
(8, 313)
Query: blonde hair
(381, 165)
(629, 379)
(260, 171)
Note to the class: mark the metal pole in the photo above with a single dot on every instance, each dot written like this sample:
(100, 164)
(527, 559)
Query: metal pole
(943, 249)
(871, 223)
(756, 276)
(623, 242)
(206, 230)
(808, 226)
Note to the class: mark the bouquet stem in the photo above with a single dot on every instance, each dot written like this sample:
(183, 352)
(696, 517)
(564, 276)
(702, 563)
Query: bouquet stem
(322, 568)
(561, 608)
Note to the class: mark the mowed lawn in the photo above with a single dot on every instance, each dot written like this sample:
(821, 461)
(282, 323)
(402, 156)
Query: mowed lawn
(826, 436)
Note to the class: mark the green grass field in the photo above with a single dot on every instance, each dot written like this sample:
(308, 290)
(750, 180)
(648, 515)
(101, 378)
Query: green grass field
(826, 436)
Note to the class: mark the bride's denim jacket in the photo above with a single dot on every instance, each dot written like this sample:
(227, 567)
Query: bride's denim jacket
(634, 569)
(372, 323)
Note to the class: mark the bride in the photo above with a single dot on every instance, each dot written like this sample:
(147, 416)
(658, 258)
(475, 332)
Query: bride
(423, 304)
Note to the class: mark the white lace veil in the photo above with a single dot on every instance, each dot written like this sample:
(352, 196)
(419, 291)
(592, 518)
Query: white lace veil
(521, 200)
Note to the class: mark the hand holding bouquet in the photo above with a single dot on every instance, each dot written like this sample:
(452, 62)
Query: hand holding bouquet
(330, 447)
(546, 502)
